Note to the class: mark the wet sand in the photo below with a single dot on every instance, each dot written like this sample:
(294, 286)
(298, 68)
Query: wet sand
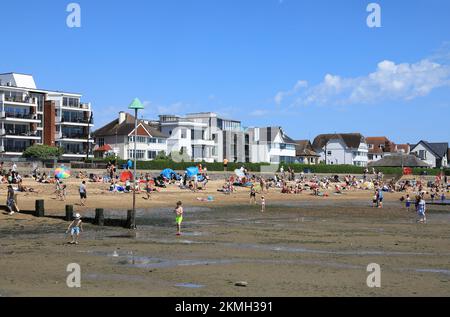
(301, 246)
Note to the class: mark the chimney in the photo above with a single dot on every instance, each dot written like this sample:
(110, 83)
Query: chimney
(122, 117)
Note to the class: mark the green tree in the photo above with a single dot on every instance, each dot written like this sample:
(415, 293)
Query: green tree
(43, 152)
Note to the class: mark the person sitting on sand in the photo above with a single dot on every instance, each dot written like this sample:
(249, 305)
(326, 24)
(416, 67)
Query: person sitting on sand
(75, 228)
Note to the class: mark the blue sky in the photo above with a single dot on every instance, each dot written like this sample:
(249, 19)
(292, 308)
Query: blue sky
(309, 66)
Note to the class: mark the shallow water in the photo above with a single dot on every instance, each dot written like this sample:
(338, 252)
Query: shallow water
(189, 285)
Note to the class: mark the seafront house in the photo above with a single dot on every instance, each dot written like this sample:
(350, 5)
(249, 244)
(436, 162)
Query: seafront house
(434, 154)
(305, 154)
(231, 140)
(342, 148)
(29, 116)
(187, 138)
(118, 137)
(380, 147)
(271, 145)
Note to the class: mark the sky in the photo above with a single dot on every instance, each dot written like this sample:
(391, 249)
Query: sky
(310, 67)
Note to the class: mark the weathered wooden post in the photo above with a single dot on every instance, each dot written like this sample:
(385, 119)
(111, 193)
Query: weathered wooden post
(39, 210)
(99, 217)
(69, 213)
(131, 219)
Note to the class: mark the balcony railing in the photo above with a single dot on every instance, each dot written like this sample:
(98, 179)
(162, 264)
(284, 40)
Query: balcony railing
(21, 133)
(29, 100)
(27, 116)
(74, 136)
(76, 120)
(15, 149)
(77, 106)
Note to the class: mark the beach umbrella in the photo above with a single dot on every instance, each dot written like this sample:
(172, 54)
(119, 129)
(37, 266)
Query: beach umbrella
(62, 172)
(126, 176)
(239, 173)
(192, 171)
(167, 173)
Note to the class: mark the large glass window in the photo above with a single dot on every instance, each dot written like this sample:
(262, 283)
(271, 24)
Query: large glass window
(140, 154)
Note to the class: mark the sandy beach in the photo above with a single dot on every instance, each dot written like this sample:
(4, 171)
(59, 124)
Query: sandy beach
(301, 246)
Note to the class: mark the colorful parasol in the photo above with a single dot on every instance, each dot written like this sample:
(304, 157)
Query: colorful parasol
(62, 172)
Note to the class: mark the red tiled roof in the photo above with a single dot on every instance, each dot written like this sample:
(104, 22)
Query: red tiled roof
(104, 148)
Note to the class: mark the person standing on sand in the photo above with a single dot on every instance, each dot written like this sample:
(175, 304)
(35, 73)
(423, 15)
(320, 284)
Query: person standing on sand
(225, 165)
(380, 197)
(263, 204)
(252, 195)
(179, 216)
(75, 228)
(421, 209)
(11, 200)
(408, 202)
(83, 193)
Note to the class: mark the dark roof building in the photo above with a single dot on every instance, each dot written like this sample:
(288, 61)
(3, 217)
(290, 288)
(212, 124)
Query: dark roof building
(398, 160)
(351, 140)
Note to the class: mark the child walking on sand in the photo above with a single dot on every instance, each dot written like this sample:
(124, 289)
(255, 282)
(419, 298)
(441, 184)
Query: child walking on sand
(421, 209)
(408, 202)
(75, 227)
(263, 204)
(179, 216)
(83, 193)
(252, 195)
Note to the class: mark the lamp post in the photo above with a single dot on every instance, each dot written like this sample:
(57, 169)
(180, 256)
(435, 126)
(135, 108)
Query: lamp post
(135, 105)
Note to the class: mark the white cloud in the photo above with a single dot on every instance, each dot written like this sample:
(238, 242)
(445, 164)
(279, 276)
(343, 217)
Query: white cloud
(259, 113)
(282, 94)
(389, 81)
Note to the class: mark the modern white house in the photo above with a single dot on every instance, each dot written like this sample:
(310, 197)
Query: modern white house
(271, 145)
(117, 137)
(187, 138)
(434, 154)
(231, 140)
(29, 116)
(342, 149)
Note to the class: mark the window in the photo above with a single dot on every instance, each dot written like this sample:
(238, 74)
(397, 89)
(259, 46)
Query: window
(101, 141)
(183, 133)
(329, 153)
(151, 155)
(422, 154)
(140, 154)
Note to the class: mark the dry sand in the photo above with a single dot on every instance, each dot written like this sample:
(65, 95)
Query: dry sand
(301, 246)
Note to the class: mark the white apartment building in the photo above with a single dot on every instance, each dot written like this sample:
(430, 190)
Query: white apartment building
(29, 116)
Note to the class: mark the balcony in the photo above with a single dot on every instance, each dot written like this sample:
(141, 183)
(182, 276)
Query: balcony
(19, 133)
(75, 120)
(27, 100)
(77, 106)
(11, 149)
(19, 116)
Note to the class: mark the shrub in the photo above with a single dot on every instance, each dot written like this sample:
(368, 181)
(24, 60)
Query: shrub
(43, 152)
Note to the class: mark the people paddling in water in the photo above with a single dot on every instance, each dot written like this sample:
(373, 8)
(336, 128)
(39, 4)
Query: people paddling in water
(179, 216)
(75, 228)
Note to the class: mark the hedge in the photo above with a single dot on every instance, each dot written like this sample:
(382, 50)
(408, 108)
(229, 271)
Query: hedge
(256, 167)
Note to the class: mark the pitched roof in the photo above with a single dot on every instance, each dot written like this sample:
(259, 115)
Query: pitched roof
(304, 148)
(351, 140)
(396, 160)
(438, 148)
(125, 128)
